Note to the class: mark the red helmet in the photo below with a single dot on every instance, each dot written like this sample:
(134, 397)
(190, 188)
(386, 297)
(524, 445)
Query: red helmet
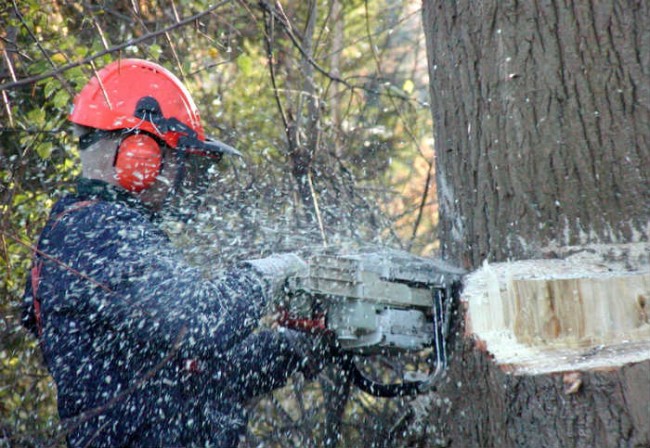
(137, 95)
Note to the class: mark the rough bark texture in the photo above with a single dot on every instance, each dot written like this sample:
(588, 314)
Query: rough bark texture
(542, 112)
(486, 407)
(542, 117)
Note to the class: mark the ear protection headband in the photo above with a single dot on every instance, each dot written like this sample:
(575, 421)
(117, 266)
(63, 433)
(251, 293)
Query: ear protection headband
(137, 162)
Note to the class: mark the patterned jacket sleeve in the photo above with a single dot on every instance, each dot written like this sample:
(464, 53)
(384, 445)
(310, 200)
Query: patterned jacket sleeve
(117, 270)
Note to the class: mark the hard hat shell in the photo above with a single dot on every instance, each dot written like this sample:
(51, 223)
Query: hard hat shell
(109, 100)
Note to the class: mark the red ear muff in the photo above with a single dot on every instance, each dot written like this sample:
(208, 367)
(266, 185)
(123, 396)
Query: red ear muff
(138, 162)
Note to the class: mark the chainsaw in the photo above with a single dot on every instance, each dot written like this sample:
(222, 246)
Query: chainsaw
(385, 303)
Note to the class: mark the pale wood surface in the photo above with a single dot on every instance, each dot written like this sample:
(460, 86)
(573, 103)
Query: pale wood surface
(589, 310)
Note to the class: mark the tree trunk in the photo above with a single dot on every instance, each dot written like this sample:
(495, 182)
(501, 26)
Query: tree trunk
(542, 117)
(542, 113)
(483, 406)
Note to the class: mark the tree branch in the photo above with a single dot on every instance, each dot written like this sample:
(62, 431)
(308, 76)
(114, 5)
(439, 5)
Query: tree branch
(289, 30)
(269, 26)
(86, 60)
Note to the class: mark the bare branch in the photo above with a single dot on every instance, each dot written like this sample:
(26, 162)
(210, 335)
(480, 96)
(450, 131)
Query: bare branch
(101, 34)
(317, 209)
(10, 64)
(423, 202)
(176, 58)
(5, 100)
(269, 27)
(289, 30)
(101, 85)
(35, 250)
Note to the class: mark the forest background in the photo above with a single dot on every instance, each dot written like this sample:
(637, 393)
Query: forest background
(328, 100)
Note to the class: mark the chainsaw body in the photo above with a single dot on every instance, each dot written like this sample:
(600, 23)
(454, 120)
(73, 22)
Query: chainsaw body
(385, 302)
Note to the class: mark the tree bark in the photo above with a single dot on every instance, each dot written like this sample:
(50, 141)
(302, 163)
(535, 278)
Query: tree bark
(542, 113)
(483, 406)
(542, 118)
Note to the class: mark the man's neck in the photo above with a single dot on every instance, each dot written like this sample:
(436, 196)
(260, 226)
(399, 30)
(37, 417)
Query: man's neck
(99, 189)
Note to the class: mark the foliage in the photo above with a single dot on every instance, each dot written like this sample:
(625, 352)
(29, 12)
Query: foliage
(319, 97)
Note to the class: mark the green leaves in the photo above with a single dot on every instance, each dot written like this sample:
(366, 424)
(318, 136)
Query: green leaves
(155, 51)
(359, 137)
(245, 64)
(36, 118)
(61, 99)
(408, 86)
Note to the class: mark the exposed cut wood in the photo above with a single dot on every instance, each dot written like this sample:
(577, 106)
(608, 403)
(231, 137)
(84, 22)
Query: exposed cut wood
(586, 311)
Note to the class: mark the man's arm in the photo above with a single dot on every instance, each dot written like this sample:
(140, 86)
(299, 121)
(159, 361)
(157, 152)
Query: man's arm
(115, 269)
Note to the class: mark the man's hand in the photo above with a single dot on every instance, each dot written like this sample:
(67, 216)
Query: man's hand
(275, 270)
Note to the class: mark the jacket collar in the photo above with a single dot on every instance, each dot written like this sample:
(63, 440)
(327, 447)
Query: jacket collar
(98, 189)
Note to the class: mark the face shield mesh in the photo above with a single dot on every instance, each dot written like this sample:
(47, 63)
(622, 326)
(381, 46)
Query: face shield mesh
(198, 170)
(195, 174)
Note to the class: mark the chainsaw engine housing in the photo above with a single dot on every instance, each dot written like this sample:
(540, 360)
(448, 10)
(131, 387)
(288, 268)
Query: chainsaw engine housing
(379, 302)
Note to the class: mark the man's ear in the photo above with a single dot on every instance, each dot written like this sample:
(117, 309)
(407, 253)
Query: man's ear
(97, 161)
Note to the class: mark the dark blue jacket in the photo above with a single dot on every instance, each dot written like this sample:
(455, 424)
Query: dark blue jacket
(144, 350)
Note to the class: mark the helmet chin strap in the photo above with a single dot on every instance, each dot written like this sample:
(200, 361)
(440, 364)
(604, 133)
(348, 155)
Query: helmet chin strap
(181, 157)
(89, 139)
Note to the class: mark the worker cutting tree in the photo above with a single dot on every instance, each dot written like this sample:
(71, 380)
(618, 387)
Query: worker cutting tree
(144, 350)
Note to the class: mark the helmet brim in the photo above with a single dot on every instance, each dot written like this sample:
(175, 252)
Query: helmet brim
(216, 146)
(209, 147)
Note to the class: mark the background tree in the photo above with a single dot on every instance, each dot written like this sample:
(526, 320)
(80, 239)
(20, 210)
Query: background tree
(326, 99)
(541, 113)
(542, 146)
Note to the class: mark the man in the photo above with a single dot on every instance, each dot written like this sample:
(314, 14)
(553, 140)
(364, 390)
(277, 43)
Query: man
(144, 350)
